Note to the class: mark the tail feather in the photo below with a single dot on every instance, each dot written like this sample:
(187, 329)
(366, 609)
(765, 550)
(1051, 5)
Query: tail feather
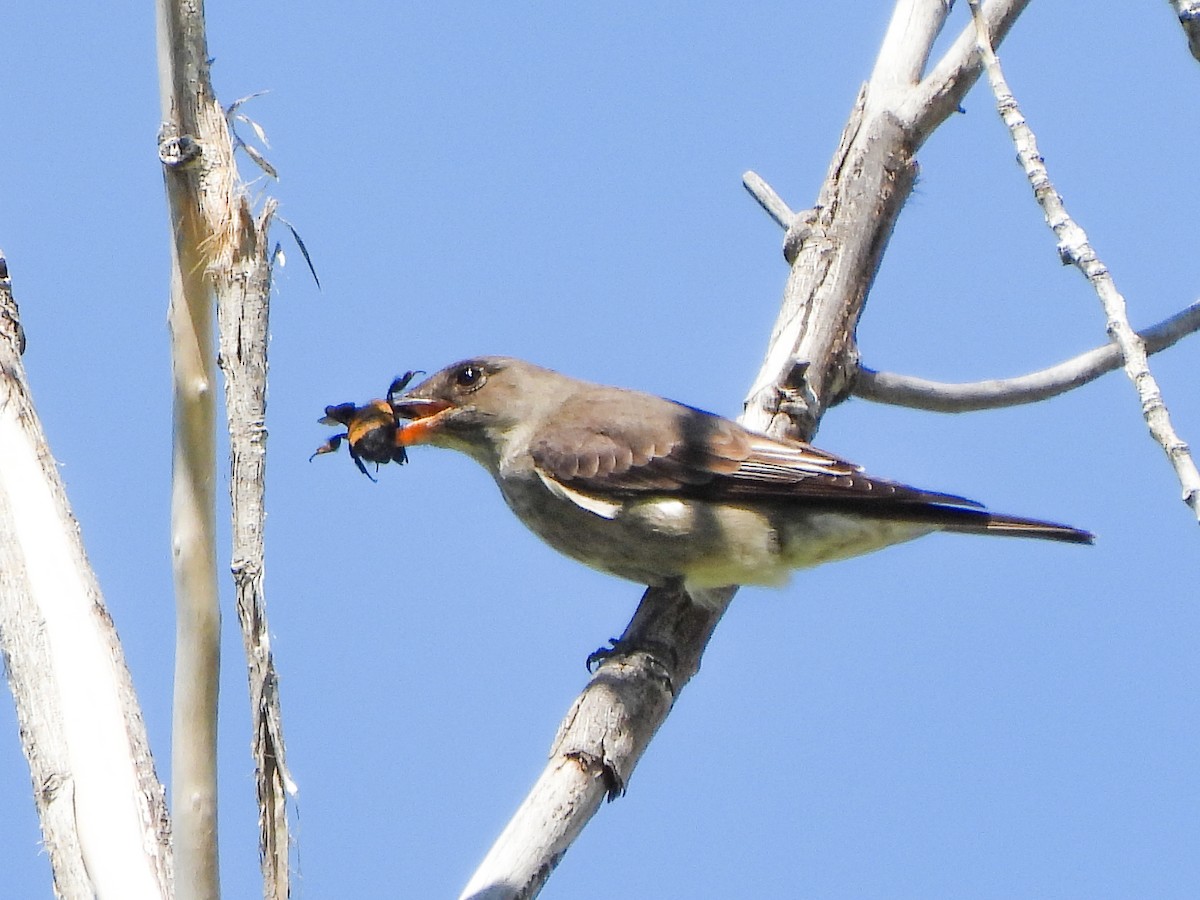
(969, 520)
(982, 522)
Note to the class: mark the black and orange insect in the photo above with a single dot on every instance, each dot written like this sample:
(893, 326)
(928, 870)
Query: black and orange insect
(371, 430)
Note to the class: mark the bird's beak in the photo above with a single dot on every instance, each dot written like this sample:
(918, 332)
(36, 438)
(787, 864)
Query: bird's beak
(426, 416)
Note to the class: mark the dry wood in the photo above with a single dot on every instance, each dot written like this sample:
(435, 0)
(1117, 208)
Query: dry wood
(1075, 248)
(102, 808)
(937, 396)
(221, 248)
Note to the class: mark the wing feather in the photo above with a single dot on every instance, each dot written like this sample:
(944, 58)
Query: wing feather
(648, 445)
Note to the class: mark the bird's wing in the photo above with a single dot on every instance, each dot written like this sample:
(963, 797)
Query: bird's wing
(642, 447)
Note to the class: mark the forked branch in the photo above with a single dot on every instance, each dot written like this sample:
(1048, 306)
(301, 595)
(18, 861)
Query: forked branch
(938, 396)
(1075, 248)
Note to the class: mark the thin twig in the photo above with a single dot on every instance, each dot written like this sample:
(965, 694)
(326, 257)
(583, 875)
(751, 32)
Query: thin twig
(1074, 248)
(939, 396)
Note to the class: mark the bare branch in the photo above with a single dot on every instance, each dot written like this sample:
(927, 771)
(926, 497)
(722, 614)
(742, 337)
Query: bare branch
(193, 177)
(601, 740)
(771, 202)
(1074, 247)
(221, 247)
(905, 49)
(243, 295)
(938, 396)
(102, 809)
(941, 92)
(811, 356)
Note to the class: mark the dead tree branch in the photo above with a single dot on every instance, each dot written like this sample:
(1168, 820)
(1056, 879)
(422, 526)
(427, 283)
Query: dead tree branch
(937, 396)
(242, 314)
(220, 247)
(1075, 248)
(102, 808)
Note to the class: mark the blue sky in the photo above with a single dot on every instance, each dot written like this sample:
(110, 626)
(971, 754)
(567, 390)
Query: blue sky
(954, 717)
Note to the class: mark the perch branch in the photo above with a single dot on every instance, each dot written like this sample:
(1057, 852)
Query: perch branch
(810, 360)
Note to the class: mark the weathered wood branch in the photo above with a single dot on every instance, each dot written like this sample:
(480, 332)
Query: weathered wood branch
(937, 396)
(102, 809)
(242, 311)
(1075, 248)
(220, 249)
(195, 181)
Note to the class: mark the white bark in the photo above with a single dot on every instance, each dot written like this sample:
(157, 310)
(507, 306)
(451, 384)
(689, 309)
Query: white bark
(193, 515)
(101, 806)
(221, 252)
(198, 613)
(1075, 248)
(920, 393)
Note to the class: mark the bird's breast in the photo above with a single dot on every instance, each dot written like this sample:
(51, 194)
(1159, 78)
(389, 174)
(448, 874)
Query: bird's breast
(654, 538)
(649, 539)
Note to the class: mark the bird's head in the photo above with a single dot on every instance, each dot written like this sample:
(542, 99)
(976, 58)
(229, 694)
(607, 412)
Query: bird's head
(478, 405)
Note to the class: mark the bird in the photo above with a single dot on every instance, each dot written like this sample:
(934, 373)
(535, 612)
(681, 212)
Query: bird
(658, 492)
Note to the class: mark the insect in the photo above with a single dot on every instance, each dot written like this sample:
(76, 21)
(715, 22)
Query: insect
(371, 430)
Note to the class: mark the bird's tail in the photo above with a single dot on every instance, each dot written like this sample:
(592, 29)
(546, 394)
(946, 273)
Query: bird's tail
(970, 521)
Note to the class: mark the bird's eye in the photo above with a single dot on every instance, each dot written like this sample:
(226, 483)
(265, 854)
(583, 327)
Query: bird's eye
(469, 376)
